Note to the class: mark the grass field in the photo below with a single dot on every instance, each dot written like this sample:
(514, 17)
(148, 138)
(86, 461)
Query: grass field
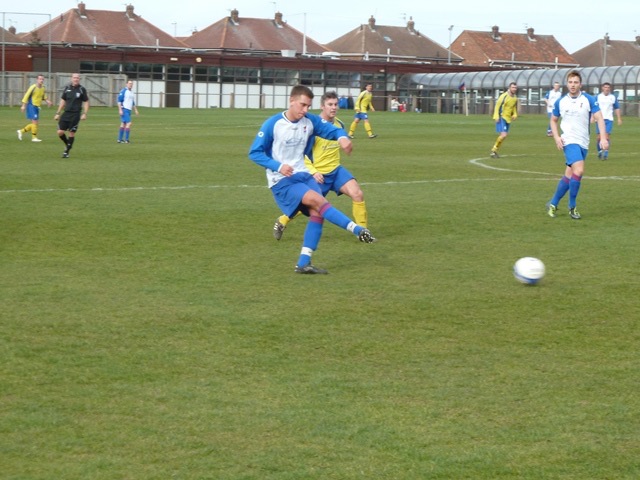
(152, 328)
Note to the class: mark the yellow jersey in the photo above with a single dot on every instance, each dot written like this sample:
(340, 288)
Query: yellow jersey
(36, 94)
(506, 107)
(326, 154)
(363, 103)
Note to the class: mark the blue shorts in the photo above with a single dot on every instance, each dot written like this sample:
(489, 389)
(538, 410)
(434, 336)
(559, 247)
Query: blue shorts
(289, 191)
(335, 180)
(32, 112)
(126, 116)
(361, 116)
(502, 126)
(608, 126)
(574, 153)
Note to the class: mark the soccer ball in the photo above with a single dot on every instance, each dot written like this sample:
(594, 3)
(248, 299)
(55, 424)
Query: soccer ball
(528, 270)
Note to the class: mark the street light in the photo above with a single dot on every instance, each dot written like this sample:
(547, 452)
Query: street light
(449, 53)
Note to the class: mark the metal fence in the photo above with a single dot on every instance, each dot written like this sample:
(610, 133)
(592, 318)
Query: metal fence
(103, 91)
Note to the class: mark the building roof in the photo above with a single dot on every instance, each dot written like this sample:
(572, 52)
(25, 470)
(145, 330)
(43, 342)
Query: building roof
(80, 26)
(393, 43)
(10, 36)
(618, 52)
(235, 33)
(496, 48)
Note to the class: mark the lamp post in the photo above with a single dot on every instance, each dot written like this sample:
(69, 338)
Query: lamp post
(449, 52)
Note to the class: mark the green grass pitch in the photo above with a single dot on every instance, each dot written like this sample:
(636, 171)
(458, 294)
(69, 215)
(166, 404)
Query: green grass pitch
(152, 328)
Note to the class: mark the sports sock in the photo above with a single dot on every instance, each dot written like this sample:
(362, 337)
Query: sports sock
(64, 139)
(284, 220)
(561, 190)
(34, 130)
(499, 141)
(352, 128)
(338, 218)
(311, 239)
(120, 134)
(70, 142)
(359, 210)
(27, 128)
(367, 127)
(574, 187)
(127, 131)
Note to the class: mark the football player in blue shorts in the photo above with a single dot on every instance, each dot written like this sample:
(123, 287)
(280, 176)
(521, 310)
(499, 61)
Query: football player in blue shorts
(31, 103)
(505, 112)
(364, 103)
(280, 147)
(126, 105)
(609, 105)
(325, 167)
(576, 109)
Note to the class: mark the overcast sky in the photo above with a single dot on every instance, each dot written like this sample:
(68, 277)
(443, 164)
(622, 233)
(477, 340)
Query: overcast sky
(327, 20)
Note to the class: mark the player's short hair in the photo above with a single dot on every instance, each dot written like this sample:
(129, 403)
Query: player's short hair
(606, 83)
(574, 73)
(513, 83)
(299, 90)
(328, 95)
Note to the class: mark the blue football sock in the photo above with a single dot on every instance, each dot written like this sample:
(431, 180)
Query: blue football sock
(310, 241)
(561, 190)
(338, 218)
(574, 187)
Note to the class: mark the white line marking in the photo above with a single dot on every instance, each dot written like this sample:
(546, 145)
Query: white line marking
(476, 161)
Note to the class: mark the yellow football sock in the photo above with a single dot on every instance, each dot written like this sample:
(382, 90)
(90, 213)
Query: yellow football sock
(367, 127)
(27, 128)
(352, 128)
(34, 130)
(360, 213)
(498, 143)
(284, 220)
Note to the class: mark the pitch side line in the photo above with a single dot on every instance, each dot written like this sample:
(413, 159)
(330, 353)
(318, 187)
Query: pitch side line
(213, 187)
(478, 163)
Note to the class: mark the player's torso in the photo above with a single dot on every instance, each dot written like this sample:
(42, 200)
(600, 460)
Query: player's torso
(290, 141)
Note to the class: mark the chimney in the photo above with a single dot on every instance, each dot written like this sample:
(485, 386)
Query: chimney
(606, 39)
(532, 38)
(129, 11)
(372, 23)
(82, 9)
(13, 30)
(411, 24)
(638, 40)
(278, 19)
(495, 32)
(235, 19)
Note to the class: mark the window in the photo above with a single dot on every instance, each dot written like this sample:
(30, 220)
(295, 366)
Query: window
(207, 74)
(311, 77)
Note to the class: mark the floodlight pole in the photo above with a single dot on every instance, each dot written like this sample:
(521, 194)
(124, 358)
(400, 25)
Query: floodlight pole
(449, 53)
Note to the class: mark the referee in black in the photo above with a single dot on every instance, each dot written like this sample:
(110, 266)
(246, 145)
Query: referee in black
(74, 103)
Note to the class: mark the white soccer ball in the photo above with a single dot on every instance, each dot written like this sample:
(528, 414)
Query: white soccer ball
(528, 270)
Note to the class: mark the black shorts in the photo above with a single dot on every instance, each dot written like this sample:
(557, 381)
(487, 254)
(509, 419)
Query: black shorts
(69, 121)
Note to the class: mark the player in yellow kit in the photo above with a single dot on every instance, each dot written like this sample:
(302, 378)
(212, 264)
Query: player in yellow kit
(327, 171)
(362, 106)
(504, 113)
(31, 103)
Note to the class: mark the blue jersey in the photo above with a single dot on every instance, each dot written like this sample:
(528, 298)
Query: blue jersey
(126, 98)
(576, 116)
(281, 141)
